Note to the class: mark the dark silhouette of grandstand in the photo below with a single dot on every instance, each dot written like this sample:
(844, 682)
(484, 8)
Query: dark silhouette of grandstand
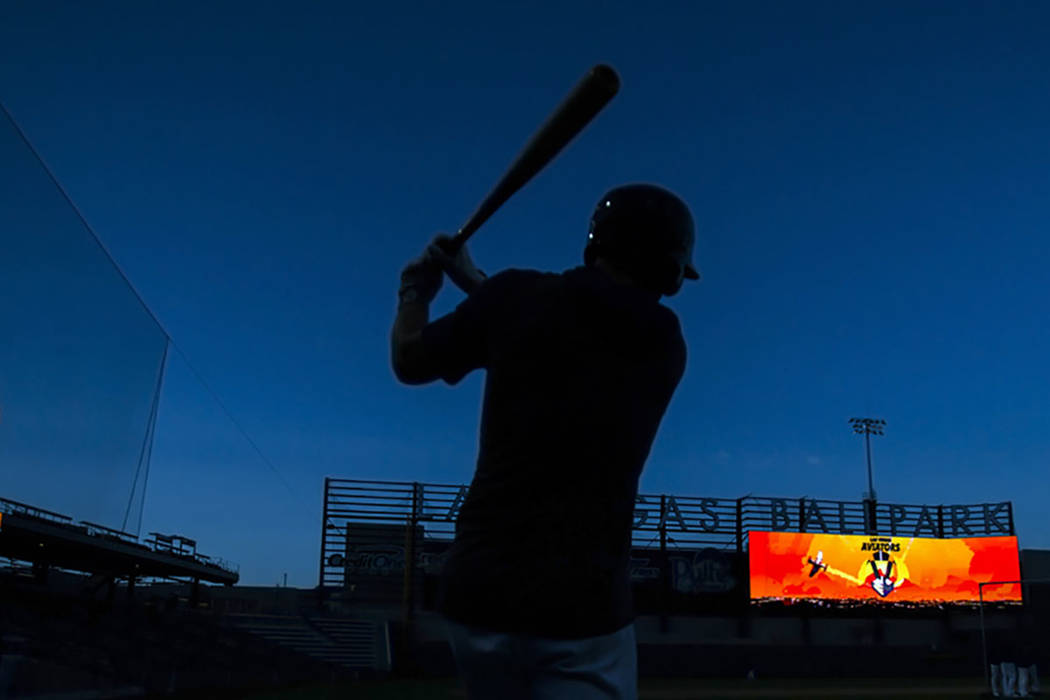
(52, 540)
(87, 608)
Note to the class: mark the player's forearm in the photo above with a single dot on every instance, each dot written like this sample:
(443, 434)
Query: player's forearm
(407, 353)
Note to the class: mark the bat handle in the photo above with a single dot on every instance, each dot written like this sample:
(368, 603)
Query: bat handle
(460, 239)
(452, 245)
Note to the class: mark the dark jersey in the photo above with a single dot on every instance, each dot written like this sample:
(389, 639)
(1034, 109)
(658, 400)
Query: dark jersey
(580, 370)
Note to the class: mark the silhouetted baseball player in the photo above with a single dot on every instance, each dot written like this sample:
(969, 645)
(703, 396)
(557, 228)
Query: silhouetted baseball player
(581, 366)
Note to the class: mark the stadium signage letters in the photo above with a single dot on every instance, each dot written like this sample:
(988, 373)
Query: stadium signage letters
(917, 521)
(707, 571)
(721, 515)
(362, 513)
(880, 544)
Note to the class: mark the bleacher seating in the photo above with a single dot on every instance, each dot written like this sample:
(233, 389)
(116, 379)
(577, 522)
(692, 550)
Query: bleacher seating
(73, 643)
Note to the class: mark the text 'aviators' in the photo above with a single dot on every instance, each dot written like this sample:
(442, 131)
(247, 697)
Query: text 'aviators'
(648, 231)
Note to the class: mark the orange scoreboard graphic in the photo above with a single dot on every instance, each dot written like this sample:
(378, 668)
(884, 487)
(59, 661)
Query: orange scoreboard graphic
(882, 569)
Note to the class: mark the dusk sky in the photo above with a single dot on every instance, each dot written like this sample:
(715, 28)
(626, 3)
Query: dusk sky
(870, 181)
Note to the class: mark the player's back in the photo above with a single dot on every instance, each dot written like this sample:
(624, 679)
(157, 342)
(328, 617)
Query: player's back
(580, 370)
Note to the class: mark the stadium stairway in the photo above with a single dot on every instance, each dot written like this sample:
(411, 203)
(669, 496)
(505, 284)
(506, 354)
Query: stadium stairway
(352, 644)
(367, 642)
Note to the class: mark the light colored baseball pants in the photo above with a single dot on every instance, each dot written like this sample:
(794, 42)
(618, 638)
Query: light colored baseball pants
(498, 666)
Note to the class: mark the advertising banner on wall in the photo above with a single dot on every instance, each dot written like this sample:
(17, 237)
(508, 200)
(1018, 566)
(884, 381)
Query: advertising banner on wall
(789, 565)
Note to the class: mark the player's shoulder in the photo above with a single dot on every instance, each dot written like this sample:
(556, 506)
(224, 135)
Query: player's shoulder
(513, 281)
(517, 275)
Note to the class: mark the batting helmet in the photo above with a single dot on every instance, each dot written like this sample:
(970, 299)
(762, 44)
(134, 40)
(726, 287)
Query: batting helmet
(647, 231)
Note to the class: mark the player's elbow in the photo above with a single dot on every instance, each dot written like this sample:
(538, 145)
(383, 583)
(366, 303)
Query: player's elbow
(407, 374)
(409, 361)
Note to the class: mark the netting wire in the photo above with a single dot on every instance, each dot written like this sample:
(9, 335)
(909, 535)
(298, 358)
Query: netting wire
(145, 452)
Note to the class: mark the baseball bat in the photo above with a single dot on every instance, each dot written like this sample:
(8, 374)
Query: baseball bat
(587, 98)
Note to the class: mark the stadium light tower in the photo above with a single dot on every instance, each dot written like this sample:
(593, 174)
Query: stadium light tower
(868, 427)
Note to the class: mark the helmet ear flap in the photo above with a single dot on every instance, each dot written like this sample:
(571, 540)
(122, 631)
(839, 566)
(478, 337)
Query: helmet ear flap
(672, 275)
(672, 287)
(658, 274)
(663, 275)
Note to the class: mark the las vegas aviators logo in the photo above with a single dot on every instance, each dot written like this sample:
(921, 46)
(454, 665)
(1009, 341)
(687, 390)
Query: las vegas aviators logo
(884, 570)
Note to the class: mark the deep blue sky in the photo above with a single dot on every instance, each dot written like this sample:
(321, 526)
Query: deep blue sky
(870, 182)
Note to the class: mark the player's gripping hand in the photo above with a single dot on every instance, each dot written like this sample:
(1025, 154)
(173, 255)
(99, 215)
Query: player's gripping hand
(457, 264)
(420, 280)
